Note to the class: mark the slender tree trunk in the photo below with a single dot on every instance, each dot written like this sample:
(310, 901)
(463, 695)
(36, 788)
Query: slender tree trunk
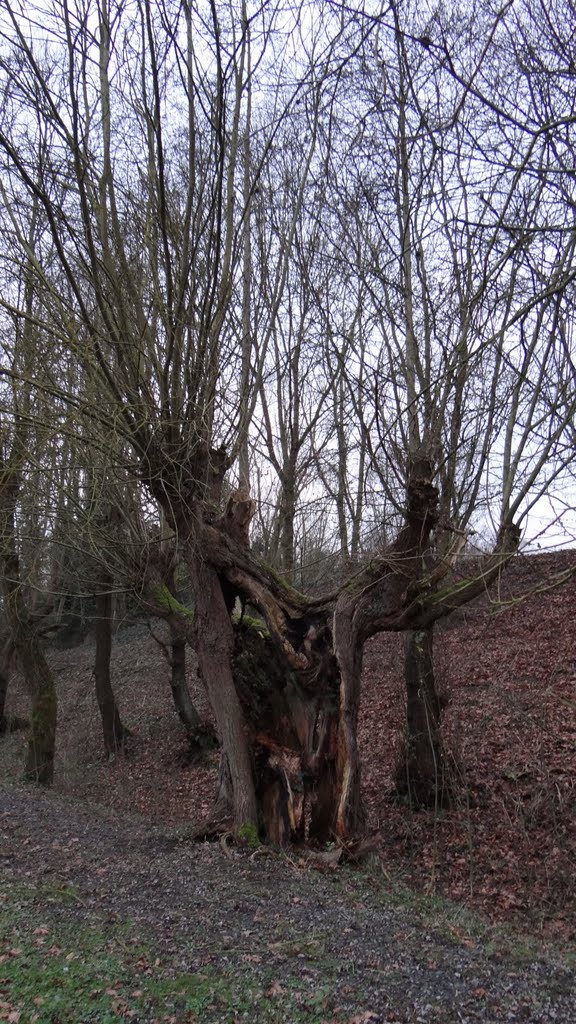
(422, 776)
(201, 735)
(5, 659)
(287, 514)
(185, 709)
(343, 456)
(39, 766)
(247, 348)
(359, 501)
(114, 732)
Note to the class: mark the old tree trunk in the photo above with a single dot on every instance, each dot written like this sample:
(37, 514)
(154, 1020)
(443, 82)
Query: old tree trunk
(283, 677)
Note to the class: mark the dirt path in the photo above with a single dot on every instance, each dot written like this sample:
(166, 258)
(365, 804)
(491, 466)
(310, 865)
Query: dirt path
(376, 955)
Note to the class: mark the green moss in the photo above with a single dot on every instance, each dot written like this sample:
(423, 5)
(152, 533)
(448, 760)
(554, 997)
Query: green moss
(248, 834)
(290, 592)
(163, 596)
(250, 622)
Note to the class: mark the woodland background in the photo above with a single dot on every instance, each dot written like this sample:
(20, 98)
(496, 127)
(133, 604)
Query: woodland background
(287, 363)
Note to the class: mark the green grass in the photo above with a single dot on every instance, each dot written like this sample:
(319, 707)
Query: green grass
(61, 962)
(89, 971)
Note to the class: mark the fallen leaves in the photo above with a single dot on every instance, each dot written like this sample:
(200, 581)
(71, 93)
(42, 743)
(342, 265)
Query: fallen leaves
(508, 845)
(275, 990)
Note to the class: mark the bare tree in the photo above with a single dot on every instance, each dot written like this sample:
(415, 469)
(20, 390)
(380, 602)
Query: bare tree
(16, 448)
(127, 128)
(461, 365)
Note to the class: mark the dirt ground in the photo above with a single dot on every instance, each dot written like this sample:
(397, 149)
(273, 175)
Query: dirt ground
(290, 943)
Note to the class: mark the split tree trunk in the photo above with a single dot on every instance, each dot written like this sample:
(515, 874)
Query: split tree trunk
(288, 716)
(292, 721)
(114, 732)
(304, 728)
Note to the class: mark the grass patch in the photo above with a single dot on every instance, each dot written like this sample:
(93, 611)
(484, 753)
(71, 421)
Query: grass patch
(59, 971)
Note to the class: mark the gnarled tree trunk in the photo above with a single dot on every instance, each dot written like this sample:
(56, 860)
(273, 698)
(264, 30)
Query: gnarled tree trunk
(285, 690)
(292, 718)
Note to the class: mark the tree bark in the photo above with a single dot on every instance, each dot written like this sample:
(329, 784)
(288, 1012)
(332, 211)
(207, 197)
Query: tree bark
(185, 709)
(5, 659)
(39, 765)
(214, 647)
(422, 776)
(7, 724)
(114, 732)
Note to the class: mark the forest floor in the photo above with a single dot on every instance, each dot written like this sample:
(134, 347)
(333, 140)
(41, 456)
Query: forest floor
(101, 880)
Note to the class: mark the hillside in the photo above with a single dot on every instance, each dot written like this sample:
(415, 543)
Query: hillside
(508, 672)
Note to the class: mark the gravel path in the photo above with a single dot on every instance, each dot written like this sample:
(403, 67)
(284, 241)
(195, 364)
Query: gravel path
(199, 904)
